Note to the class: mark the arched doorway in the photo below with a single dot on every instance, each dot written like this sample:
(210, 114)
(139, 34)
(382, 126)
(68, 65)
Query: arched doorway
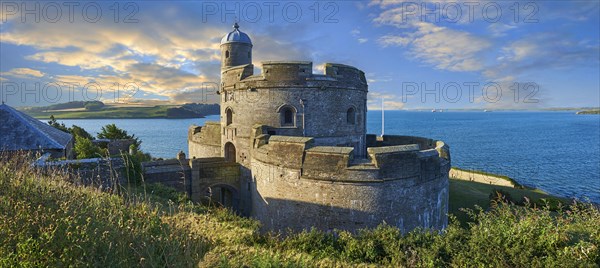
(224, 195)
(230, 154)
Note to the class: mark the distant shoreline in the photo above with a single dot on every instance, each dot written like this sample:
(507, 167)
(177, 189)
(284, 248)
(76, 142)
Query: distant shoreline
(58, 117)
(98, 110)
(594, 111)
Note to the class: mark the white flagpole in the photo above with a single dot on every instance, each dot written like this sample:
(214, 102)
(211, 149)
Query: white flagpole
(382, 118)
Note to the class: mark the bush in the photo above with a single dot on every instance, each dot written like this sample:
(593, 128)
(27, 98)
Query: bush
(84, 148)
(500, 196)
(112, 132)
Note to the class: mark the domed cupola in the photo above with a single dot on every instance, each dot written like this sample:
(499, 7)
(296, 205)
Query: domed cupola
(236, 36)
(236, 49)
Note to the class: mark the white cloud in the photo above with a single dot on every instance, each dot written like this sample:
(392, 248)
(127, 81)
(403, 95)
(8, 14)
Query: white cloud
(167, 59)
(24, 72)
(394, 40)
(500, 29)
(442, 47)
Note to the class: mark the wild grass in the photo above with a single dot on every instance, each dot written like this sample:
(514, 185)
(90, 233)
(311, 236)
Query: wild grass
(45, 221)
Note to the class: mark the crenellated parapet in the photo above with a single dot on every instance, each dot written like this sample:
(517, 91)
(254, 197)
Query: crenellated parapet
(293, 74)
(404, 157)
(204, 141)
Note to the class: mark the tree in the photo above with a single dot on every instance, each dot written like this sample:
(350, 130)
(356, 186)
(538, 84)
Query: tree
(74, 130)
(78, 131)
(55, 124)
(112, 132)
(84, 148)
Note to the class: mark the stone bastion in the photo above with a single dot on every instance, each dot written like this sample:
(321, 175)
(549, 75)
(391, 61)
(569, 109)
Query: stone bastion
(403, 181)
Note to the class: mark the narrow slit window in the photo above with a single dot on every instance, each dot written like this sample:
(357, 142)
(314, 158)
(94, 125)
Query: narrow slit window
(351, 116)
(229, 115)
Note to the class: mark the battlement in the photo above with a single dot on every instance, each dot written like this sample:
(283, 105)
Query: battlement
(204, 141)
(282, 74)
(392, 160)
(230, 76)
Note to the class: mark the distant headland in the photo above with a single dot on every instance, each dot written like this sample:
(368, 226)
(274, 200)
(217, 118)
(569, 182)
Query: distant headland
(594, 111)
(100, 110)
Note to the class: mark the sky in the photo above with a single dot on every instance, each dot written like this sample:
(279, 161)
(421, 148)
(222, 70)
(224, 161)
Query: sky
(416, 55)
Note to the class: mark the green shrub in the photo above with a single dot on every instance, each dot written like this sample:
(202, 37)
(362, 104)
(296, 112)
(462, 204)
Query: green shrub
(500, 196)
(84, 148)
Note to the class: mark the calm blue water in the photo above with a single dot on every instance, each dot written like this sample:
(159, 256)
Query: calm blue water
(160, 137)
(558, 152)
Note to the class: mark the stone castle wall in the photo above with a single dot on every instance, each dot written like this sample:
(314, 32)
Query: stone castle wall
(205, 141)
(299, 185)
(171, 172)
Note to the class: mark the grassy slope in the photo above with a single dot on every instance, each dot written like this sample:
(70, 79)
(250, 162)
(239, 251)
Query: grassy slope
(45, 221)
(468, 194)
(159, 111)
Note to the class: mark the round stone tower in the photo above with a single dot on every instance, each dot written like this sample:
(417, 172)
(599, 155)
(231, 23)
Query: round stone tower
(287, 99)
(236, 48)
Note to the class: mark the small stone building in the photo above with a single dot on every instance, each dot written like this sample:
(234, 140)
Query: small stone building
(298, 141)
(21, 132)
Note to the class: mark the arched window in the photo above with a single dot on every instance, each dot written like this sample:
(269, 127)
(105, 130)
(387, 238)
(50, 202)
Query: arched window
(351, 116)
(226, 53)
(288, 116)
(229, 116)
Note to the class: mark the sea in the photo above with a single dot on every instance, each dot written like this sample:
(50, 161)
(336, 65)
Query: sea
(556, 151)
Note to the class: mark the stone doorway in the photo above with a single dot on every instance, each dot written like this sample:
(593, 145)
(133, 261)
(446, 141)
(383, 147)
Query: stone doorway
(230, 152)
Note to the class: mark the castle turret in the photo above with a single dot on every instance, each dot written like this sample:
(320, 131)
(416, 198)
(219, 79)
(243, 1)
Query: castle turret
(236, 48)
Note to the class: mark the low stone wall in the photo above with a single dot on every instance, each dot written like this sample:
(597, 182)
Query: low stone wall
(96, 172)
(115, 146)
(172, 172)
(478, 177)
(392, 140)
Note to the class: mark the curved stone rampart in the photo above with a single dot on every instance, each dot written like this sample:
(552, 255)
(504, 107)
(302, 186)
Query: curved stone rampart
(204, 141)
(300, 185)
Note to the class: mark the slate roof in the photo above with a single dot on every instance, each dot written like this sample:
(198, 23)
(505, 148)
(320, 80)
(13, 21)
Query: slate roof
(19, 131)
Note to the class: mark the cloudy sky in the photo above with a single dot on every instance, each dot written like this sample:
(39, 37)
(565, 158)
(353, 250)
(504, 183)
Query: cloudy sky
(434, 54)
